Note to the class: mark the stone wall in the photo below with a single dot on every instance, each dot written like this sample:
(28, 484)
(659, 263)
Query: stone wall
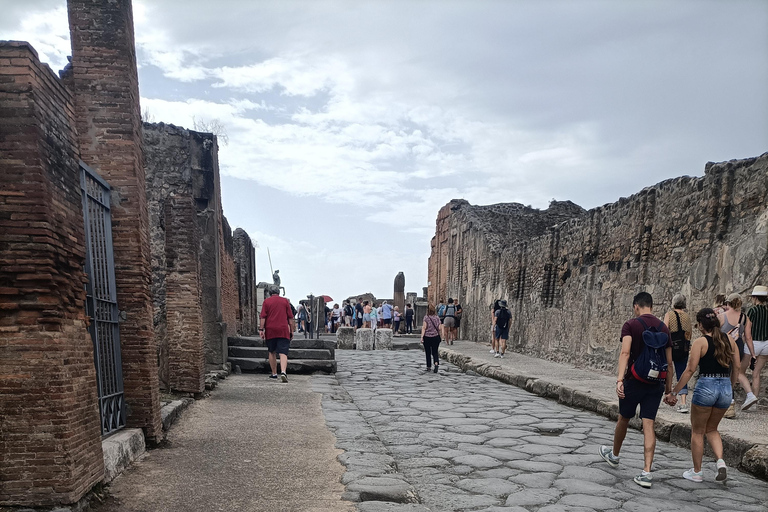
(570, 283)
(50, 443)
(182, 168)
(230, 303)
(105, 89)
(245, 270)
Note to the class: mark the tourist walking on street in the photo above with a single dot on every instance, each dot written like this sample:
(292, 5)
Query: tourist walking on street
(336, 315)
(386, 315)
(714, 354)
(494, 340)
(646, 353)
(276, 327)
(375, 318)
(679, 324)
(302, 316)
(756, 333)
(367, 315)
(501, 327)
(396, 320)
(719, 304)
(733, 322)
(408, 319)
(456, 321)
(349, 312)
(449, 321)
(359, 313)
(430, 337)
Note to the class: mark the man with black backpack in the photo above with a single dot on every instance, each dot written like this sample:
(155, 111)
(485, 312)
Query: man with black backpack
(501, 321)
(643, 379)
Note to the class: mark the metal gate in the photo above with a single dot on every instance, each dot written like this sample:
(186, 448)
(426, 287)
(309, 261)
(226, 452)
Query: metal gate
(102, 299)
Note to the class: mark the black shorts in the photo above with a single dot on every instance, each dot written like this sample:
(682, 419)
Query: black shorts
(647, 396)
(740, 346)
(387, 321)
(457, 321)
(359, 322)
(279, 345)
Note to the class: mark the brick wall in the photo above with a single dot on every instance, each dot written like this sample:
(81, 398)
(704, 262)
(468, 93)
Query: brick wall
(570, 284)
(106, 96)
(230, 303)
(50, 444)
(186, 361)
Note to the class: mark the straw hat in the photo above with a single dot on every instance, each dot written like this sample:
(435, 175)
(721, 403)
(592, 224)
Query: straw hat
(760, 291)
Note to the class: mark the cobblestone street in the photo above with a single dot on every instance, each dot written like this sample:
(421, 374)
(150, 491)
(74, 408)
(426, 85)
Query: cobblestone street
(458, 441)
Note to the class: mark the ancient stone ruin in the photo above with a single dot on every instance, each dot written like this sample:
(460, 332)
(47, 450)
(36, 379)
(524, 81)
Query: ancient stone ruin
(85, 185)
(569, 275)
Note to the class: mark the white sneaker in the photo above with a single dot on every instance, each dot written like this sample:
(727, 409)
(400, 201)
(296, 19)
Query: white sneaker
(497, 355)
(722, 472)
(501, 356)
(493, 351)
(693, 476)
(749, 402)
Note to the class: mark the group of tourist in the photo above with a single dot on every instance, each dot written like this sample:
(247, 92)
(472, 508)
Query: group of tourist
(729, 341)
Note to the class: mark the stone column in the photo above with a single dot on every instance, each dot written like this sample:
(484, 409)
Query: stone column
(399, 298)
(106, 95)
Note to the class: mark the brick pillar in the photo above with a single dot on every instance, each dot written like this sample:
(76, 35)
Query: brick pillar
(50, 440)
(106, 94)
(186, 357)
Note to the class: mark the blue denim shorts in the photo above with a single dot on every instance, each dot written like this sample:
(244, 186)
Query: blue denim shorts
(713, 392)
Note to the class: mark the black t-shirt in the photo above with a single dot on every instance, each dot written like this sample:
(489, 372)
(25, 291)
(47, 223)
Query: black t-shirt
(409, 314)
(359, 309)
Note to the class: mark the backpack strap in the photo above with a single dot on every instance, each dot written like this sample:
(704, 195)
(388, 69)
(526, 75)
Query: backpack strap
(679, 324)
(645, 326)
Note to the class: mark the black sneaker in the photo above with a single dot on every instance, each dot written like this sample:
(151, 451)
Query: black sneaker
(283, 377)
(435, 370)
(273, 376)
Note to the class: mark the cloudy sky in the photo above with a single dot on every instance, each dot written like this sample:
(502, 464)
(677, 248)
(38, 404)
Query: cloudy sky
(350, 123)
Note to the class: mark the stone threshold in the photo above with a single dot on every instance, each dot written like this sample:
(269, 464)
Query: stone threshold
(739, 453)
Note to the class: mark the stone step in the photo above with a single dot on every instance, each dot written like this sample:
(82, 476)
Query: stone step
(294, 353)
(296, 342)
(406, 344)
(294, 365)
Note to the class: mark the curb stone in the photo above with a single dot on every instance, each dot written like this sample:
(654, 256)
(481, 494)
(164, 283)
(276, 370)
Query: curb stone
(751, 458)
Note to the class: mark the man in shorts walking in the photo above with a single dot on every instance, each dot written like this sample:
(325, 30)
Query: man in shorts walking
(501, 322)
(276, 327)
(633, 392)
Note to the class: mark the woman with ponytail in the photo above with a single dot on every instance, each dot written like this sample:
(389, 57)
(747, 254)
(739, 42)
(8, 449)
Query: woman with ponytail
(715, 354)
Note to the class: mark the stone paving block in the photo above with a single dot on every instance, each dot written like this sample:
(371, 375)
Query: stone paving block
(384, 339)
(364, 339)
(372, 488)
(383, 506)
(345, 338)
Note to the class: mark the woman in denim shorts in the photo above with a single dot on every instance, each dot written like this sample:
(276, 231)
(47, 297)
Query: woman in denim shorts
(714, 354)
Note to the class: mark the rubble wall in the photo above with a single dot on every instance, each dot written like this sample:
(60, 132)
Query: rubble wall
(570, 283)
(245, 265)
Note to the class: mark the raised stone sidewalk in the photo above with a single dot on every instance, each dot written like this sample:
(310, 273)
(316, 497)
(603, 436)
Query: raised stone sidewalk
(745, 438)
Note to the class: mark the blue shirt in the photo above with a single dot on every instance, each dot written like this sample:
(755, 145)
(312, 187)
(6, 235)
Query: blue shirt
(386, 311)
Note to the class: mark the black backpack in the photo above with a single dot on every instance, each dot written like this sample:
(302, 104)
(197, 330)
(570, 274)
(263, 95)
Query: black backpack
(651, 365)
(348, 310)
(502, 321)
(680, 345)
